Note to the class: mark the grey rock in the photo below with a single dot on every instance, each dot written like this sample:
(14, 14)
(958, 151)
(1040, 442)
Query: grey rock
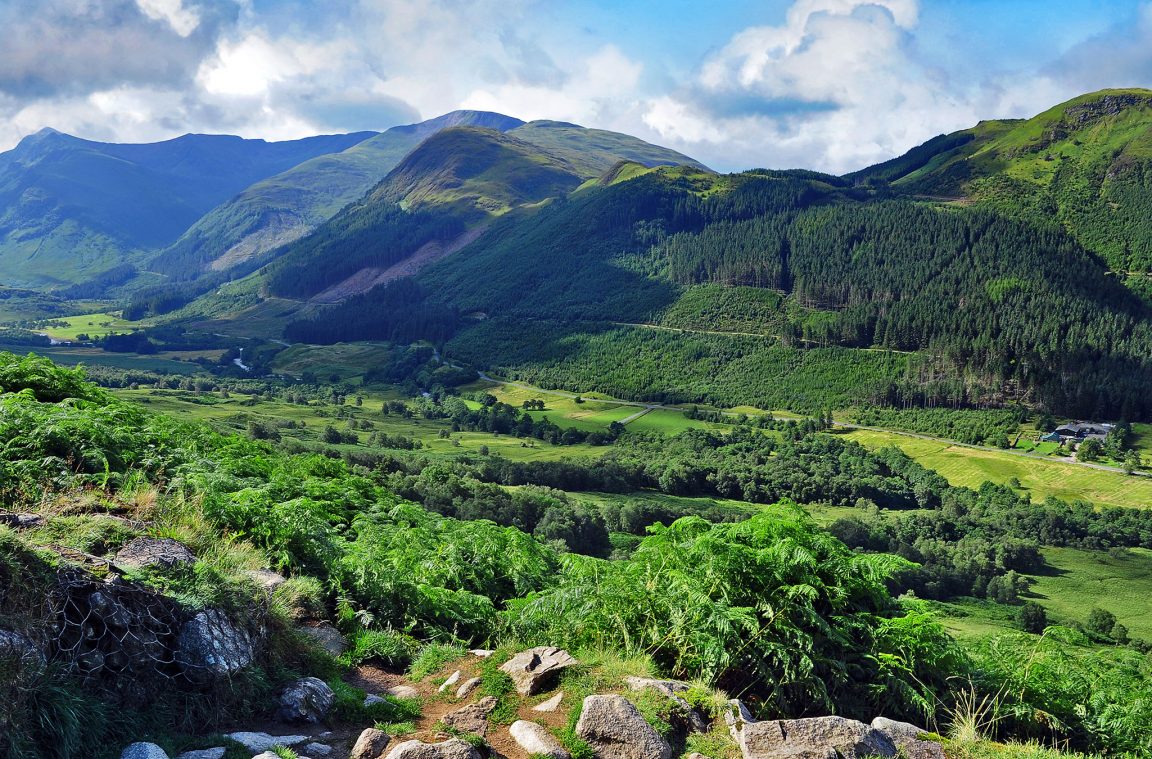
(452, 749)
(266, 755)
(143, 751)
(326, 637)
(110, 612)
(815, 738)
(483, 653)
(615, 730)
(263, 741)
(16, 646)
(452, 680)
(153, 552)
(402, 691)
(533, 670)
(372, 699)
(672, 689)
(370, 745)
(306, 700)
(468, 686)
(908, 739)
(318, 749)
(551, 705)
(21, 521)
(266, 579)
(472, 718)
(536, 740)
(210, 646)
(207, 753)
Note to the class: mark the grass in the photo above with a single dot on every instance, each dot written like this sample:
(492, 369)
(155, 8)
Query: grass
(94, 325)
(1118, 581)
(70, 355)
(1040, 477)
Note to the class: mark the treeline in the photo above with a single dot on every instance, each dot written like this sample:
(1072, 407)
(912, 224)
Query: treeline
(400, 311)
(999, 427)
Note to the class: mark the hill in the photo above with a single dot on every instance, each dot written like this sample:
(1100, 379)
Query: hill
(73, 208)
(1085, 164)
(285, 207)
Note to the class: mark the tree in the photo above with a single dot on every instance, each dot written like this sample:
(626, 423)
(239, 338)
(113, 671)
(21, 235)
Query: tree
(1119, 634)
(1032, 618)
(1132, 462)
(1090, 450)
(1100, 622)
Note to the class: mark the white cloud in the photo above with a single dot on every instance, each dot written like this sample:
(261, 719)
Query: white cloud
(182, 20)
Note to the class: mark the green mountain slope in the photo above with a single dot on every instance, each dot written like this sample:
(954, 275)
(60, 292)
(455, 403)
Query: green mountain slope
(594, 151)
(285, 207)
(1085, 164)
(71, 208)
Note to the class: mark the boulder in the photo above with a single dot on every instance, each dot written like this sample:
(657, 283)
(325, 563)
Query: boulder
(472, 718)
(537, 741)
(306, 700)
(672, 689)
(451, 749)
(370, 745)
(535, 669)
(483, 653)
(21, 521)
(16, 646)
(615, 730)
(163, 553)
(402, 691)
(814, 738)
(468, 686)
(207, 753)
(266, 579)
(372, 699)
(258, 742)
(143, 751)
(551, 705)
(267, 755)
(909, 739)
(452, 680)
(210, 646)
(327, 637)
(318, 749)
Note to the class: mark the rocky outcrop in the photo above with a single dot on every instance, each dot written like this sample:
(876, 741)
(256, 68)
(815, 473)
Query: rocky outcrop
(910, 740)
(472, 718)
(257, 742)
(453, 749)
(537, 741)
(672, 689)
(814, 738)
(144, 751)
(616, 730)
(371, 744)
(210, 647)
(306, 700)
(536, 669)
(163, 553)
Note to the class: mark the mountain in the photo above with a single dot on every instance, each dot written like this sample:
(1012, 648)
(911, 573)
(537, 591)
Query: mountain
(72, 208)
(1085, 165)
(594, 151)
(285, 207)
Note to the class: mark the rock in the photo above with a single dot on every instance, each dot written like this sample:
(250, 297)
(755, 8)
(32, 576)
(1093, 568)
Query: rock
(372, 699)
(472, 718)
(550, 705)
(110, 612)
(533, 670)
(326, 637)
(537, 741)
(483, 653)
(452, 749)
(208, 753)
(306, 700)
(266, 579)
(21, 521)
(695, 755)
(165, 553)
(908, 739)
(318, 749)
(615, 730)
(370, 744)
(469, 685)
(210, 646)
(452, 680)
(263, 741)
(672, 690)
(267, 755)
(16, 646)
(815, 738)
(143, 751)
(402, 691)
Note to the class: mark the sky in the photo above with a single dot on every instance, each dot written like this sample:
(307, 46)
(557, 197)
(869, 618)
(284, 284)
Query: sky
(831, 85)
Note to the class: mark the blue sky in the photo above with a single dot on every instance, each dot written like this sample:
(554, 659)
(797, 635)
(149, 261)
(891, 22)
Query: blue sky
(826, 84)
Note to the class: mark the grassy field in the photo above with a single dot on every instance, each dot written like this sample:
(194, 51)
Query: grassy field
(69, 328)
(348, 361)
(235, 412)
(1119, 581)
(68, 355)
(1040, 477)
